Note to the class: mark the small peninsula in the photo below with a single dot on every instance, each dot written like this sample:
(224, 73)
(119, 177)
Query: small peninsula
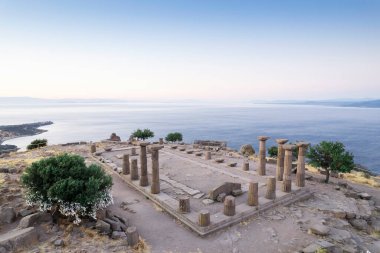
(8, 132)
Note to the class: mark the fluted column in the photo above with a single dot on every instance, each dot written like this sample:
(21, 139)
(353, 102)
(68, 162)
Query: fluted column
(143, 165)
(155, 187)
(280, 159)
(287, 181)
(300, 177)
(262, 152)
(126, 165)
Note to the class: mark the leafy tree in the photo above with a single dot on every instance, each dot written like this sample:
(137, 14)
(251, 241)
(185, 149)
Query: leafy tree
(37, 144)
(173, 137)
(331, 156)
(273, 151)
(64, 183)
(142, 134)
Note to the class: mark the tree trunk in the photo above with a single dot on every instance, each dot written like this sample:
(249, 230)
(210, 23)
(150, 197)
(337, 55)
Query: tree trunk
(327, 176)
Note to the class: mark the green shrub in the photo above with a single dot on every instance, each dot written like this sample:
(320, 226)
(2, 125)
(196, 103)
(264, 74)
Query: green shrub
(142, 134)
(37, 144)
(66, 184)
(173, 137)
(273, 151)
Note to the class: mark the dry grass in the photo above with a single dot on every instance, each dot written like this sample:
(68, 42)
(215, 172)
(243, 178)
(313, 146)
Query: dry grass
(141, 247)
(354, 176)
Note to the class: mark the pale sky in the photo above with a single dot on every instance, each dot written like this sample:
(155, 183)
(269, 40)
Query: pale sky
(194, 49)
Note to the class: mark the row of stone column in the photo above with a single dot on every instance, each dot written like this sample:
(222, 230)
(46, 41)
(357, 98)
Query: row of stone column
(130, 167)
(284, 161)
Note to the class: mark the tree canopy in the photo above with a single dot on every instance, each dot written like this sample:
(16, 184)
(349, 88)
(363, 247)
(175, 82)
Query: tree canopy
(331, 156)
(65, 182)
(173, 137)
(142, 134)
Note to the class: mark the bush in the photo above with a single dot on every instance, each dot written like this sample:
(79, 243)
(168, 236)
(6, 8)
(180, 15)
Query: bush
(37, 144)
(66, 184)
(273, 151)
(173, 137)
(331, 156)
(142, 134)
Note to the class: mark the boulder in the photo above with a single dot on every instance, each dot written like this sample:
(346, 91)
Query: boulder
(25, 212)
(103, 227)
(221, 197)
(318, 245)
(319, 229)
(115, 225)
(232, 164)
(359, 224)
(364, 195)
(219, 160)
(247, 150)
(226, 188)
(118, 235)
(30, 220)
(237, 192)
(114, 137)
(374, 246)
(59, 243)
(7, 215)
(340, 235)
(17, 238)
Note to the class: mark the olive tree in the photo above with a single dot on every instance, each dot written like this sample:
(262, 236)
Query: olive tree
(37, 144)
(331, 156)
(65, 184)
(142, 134)
(173, 137)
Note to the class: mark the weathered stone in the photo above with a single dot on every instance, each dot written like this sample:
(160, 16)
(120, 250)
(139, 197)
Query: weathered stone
(246, 166)
(107, 149)
(184, 204)
(229, 206)
(280, 159)
(103, 227)
(118, 235)
(364, 195)
(359, 224)
(226, 188)
(219, 160)
(204, 218)
(237, 192)
(207, 201)
(115, 225)
(247, 150)
(132, 236)
(59, 243)
(221, 197)
(318, 245)
(7, 215)
(374, 246)
(18, 238)
(253, 194)
(262, 155)
(114, 137)
(208, 155)
(25, 212)
(30, 220)
(232, 164)
(319, 229)
(340, 235)
(300, 177)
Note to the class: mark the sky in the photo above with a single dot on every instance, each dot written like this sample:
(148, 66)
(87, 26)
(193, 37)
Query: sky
(190, 49)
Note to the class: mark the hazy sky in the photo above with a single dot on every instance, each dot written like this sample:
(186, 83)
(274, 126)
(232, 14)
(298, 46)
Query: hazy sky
(195, 49)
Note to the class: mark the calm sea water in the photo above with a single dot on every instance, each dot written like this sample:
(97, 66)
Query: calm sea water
(357, 128)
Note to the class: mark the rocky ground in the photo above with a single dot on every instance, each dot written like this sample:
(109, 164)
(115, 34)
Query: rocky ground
(341, 217)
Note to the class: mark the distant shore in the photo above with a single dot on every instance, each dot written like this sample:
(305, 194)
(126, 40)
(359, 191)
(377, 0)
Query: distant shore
(8, 132)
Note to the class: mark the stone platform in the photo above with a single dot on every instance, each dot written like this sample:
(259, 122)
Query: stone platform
(189, 174)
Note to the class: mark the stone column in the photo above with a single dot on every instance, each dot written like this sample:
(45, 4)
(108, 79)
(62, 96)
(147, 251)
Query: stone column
(161, 141)
(184, 204)
(143, 165)
(246, 166)
(93, 148)
(253, 194)
(208, 155)
(271, 188)
(280, 159)
(126, 168)
(134, 170)
(204, 218)
(229, 206)
(300, 177)
(287, 180)
(155, 187)
(262, 152)
(133, 151)
(132, 236)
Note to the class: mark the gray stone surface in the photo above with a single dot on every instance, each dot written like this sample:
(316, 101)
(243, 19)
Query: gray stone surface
(226, 188)
(103, 227)
(359, 224)
(30, 220)
(7, 215)
(319, 229)
(17, 238)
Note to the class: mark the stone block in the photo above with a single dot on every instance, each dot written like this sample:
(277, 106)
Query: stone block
(226, 188)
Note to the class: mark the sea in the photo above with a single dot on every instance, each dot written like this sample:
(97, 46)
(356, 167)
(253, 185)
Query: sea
(357, 128)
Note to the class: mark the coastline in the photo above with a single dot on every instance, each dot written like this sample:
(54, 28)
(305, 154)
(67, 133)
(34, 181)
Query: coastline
(9, 132)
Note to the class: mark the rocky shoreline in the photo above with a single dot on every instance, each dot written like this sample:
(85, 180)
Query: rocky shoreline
(8, 132)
